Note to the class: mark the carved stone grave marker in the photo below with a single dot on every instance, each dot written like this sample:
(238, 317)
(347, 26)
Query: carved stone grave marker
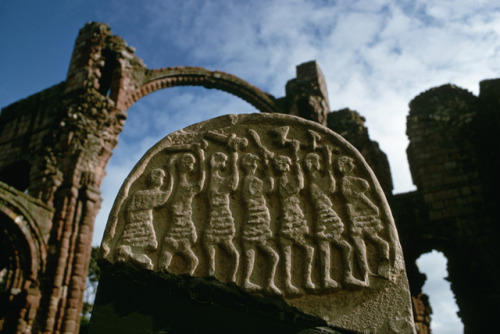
(282, 207)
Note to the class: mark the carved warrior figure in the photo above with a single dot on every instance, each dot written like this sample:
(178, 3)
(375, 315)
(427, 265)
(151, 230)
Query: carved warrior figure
(138, 234)
(328, 225)
(293, 227)
(364, 215)
(221, 229)
(181, 234)
(257, 226)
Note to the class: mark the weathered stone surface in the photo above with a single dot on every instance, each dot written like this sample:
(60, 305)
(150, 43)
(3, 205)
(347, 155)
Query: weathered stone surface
(163, 303)
(24, 225)
(454, 160)
(280, 206)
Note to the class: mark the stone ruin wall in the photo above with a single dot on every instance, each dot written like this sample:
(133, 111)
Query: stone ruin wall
(454, 160)
(55, 145)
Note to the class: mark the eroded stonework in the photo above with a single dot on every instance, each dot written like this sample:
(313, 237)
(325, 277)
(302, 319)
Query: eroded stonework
(278, 205)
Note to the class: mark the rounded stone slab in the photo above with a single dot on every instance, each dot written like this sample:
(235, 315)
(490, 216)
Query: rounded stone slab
(278, 205)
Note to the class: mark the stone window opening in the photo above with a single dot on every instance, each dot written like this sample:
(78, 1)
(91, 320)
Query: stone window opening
(107, 72)
(16, 261)
(17, 175)
(444, 318)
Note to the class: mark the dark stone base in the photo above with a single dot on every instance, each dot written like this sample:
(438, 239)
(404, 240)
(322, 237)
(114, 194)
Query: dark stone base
(130, 301)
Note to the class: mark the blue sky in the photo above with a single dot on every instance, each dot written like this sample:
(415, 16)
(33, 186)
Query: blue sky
(376, 55)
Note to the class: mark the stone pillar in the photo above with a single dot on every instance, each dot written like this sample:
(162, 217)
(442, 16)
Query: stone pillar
(422, 312)
(87, 59)
(54, 284)
(307, 95)
(89, 200)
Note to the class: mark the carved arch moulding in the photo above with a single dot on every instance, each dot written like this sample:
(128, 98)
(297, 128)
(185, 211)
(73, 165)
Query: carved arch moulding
(26, 229)
(280, 206)
(154, 80)
(24, 226)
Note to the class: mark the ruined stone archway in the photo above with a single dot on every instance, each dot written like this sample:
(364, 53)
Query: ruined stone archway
(197, 76)
(23, 248)
(28, 233)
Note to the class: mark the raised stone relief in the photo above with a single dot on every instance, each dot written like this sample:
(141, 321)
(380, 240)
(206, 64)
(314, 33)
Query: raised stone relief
(181, 231)
(277, 205)
(329, 227)
(364, 216)
(293, 228)
(257, 225)
(138, 237)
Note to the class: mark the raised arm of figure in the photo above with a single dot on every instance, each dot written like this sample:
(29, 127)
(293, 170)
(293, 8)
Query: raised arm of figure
(200, 155)
(329, 168)
(299, 176)
(369, 203)
(235, 175)
(170, 185)
(269, 180)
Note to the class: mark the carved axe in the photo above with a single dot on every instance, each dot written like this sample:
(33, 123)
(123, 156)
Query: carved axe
(187, 147)
(263, 150)
(315, 137)
(232, 141)
(281, 135)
